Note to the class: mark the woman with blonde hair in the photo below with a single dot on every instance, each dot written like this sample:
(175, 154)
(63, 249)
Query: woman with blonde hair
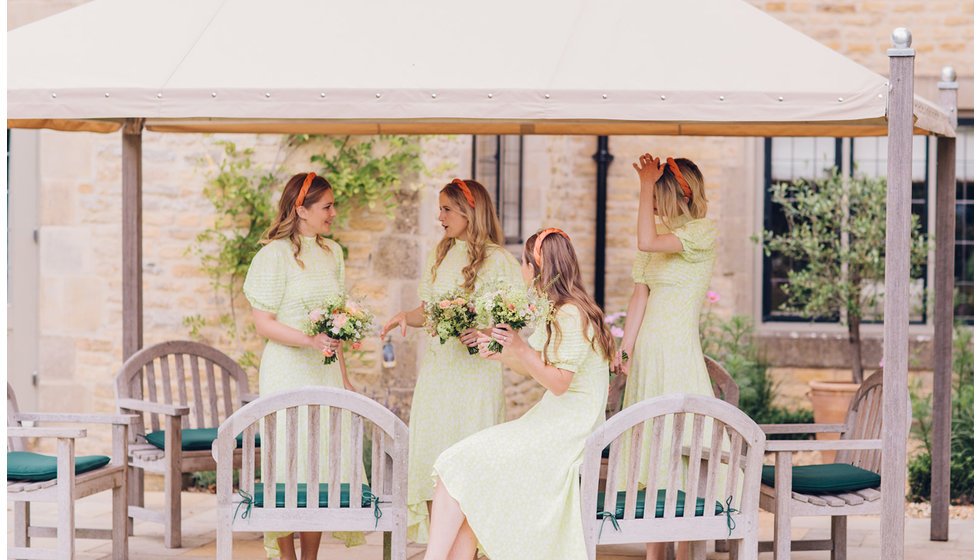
(513, 489)
(457, 393)
(297, 270)
(671, 272)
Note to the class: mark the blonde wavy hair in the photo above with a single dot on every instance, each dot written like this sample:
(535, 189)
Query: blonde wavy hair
(560, 278)
(670, 198)
(482, 227)
(286, 223)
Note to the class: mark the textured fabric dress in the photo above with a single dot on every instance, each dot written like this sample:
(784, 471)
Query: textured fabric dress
(276, 283)
(518, 483)
(667, 356)
(456, 394)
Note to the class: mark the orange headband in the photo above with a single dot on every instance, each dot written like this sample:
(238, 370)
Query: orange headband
(541, 236)
(466, 192)
(680, 178)
(306, 187)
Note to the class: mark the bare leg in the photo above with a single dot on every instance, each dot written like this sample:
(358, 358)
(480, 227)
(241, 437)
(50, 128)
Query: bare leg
(656, 551)
(287, 550)
(444, 525)
(465, 546)
(309, 544)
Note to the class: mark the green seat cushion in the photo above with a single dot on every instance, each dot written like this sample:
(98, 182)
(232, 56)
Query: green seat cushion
(193, 439)
(825, 479)
(24, 465)
(259, 499)
(661, 496)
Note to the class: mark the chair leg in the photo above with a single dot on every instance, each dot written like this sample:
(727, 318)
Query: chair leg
(225, 541)
(66, 498)
(698, 550)
(120, 519)
(838, 537)
(669, 551)
(134, 477)
(782, 538)
(172, 482)
(22, 524)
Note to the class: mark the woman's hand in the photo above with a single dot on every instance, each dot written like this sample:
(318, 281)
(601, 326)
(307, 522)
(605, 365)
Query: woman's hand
(649, 169)
(323, 343)
(505, 335)
(621, 365)
(400, 320)
(470, 337)
(482, 342)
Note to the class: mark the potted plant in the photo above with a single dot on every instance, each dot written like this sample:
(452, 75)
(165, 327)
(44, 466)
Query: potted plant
(836, 241)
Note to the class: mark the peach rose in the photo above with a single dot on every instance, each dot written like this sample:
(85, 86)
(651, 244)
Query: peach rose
(316, 315)
(356, 345)
(340, 320)
(444, 304)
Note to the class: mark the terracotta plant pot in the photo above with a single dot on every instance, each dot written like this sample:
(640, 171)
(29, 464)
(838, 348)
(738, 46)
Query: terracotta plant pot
(830, 400)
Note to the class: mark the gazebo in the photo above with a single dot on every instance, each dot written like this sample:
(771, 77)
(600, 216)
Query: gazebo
(550, 67)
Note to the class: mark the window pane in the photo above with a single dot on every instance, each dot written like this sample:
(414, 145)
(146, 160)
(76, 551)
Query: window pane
(963, 248)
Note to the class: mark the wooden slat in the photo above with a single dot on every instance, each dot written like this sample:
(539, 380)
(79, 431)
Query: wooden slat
(377, 460)
(734, 462)
(213, 395)
(13, 487)
(633, 470)
(833, 500)
(612, 474)
(653, 461)
(151, 394)
(714, 461)
(165, 380)
(869, 494)
(810, 498)
(694, 466)
(673, 465)
(196, 387)
(40, 485)
(334, 458)
(851, 499)
(292, 451)
(181, 380)
(269, 464)
(246, 478)
(356, 459)
(313, 442)
(226, 392)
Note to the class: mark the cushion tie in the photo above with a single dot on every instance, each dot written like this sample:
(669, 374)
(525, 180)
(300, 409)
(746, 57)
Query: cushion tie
(606, 515)
(374, 500)
(246, 501)
(728, 511)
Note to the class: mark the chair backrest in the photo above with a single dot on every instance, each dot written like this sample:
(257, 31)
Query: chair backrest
(306, 407)
(185, 373)
(864, 421)
(731, 467)
(13, 443)
(722, 384)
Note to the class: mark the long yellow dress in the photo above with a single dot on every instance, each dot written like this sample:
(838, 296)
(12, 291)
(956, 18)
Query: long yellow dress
(276, 283)
(667, 356)
(518, 483)
(456, 394)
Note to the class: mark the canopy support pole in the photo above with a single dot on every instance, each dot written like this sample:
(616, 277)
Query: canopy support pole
(132, 236)
(602, 158)
(942, 380)
(897, 264)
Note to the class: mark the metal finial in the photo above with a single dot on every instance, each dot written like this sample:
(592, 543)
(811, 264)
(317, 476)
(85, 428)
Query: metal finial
(902, 38)
(947, 74)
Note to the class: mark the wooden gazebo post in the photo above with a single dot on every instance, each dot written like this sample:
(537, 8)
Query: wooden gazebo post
(942, 380)
(897, 264)
(132, 236)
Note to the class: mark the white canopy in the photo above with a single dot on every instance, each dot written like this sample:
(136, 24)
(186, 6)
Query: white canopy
(697, 67)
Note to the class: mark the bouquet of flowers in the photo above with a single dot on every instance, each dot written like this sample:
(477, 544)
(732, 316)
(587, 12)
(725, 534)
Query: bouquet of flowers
(515, 307)
(341, 319)
(449, 317)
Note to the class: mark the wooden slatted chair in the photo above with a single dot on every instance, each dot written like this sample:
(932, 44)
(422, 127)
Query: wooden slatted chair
(859, 448)
(181, 392)
(29, 479)
(729, 513)
(270, 505)
(722, 384)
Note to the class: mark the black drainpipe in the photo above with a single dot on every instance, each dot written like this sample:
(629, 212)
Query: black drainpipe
(602, 159)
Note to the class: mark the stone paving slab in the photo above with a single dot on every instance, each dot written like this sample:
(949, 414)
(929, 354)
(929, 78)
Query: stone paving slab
(199, 520)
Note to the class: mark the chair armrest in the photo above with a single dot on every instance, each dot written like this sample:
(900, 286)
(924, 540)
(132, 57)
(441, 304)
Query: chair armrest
(73, 433)
(80, 418)
(802, 428)
(247, 397)
(152, 407)
(784, 445)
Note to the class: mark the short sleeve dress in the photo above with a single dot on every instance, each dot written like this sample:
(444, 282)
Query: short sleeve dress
(518, 483)
(456, 394)
(278, 284)
(667, 356)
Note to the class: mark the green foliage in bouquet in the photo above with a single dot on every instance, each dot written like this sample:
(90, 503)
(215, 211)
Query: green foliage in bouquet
(448, 317)
(516, 307)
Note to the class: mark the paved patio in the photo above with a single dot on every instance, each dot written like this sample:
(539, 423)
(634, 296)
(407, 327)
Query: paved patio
(199, 535)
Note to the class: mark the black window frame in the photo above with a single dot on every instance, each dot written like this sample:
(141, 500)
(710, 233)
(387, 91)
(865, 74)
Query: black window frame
(500, 190)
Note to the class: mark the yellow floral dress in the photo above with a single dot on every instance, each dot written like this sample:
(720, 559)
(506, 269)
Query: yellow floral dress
(456, 394)
(667, 356)
(276, 283)
(518, 483)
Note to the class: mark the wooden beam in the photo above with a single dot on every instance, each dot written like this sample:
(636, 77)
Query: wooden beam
(942, 380)
(897, 264)
(132, 236)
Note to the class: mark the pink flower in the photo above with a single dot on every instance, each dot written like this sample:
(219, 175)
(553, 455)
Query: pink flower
(356, 345)
(713, 296)
(327, 352)
(882, 362)
(616, 331)
(445, 304)
(511, 307)
(459, 301)
(340, 320)
(352, 307)
(316, 315)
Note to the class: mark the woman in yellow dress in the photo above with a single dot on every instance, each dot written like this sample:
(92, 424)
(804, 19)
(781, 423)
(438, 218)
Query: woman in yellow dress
(456, 393)
(296, 270)
(671, 274)
(513, 489)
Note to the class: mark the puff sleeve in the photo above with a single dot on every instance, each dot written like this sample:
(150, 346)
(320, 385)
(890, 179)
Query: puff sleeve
(698, 239)
(265, 282)
(571, 351)
(640, 266)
